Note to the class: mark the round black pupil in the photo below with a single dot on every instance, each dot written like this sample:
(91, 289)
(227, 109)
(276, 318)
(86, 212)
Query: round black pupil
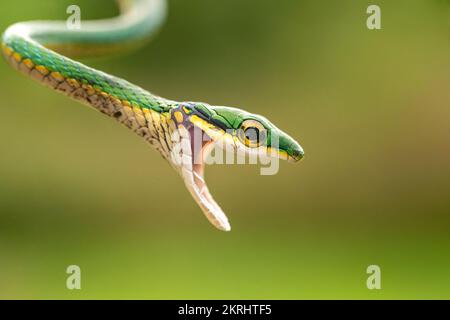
(252, 134)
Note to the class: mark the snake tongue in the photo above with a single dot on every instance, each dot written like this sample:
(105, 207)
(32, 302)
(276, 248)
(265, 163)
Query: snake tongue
(193, 176)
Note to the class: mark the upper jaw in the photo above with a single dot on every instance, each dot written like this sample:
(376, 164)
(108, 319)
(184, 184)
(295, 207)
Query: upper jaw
(296, 152)
(192, 165)
(296, 156)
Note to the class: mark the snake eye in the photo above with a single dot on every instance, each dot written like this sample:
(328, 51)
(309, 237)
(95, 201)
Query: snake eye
(252, 133)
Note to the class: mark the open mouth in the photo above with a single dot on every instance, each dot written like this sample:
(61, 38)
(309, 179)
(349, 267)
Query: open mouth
(197, 140)
(194, 153)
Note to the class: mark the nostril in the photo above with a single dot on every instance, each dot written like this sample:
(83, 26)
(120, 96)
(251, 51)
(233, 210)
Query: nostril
(297, 152)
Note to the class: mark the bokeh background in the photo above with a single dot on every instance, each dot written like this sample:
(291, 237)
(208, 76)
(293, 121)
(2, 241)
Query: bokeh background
(371, 109)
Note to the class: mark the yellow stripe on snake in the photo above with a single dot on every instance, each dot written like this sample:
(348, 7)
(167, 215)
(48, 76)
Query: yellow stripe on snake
(41, 50)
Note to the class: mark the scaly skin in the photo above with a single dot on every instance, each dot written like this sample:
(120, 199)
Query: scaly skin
(169, 126)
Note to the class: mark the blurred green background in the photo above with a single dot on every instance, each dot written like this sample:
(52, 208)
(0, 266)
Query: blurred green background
(371, 109)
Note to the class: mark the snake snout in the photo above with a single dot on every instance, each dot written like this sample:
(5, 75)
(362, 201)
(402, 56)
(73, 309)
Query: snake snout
(295, 152)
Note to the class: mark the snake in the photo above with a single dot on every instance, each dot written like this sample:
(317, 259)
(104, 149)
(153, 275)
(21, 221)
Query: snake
(184, 133)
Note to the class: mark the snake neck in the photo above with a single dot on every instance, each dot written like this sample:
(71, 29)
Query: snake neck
(37, 49)
(26, 47)
(144, 113)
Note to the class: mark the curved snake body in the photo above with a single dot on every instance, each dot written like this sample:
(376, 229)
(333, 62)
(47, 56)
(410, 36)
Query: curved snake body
(40, 50)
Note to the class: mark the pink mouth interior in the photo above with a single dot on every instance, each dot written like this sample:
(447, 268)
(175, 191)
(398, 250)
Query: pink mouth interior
(198, 163)
(201, 193)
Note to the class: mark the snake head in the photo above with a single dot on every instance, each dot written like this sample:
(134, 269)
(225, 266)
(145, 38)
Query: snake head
(201, 127)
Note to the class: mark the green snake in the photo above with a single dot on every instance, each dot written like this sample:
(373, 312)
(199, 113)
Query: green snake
(41, 50)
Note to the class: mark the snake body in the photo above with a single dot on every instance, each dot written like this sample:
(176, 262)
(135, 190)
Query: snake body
(41, 51)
